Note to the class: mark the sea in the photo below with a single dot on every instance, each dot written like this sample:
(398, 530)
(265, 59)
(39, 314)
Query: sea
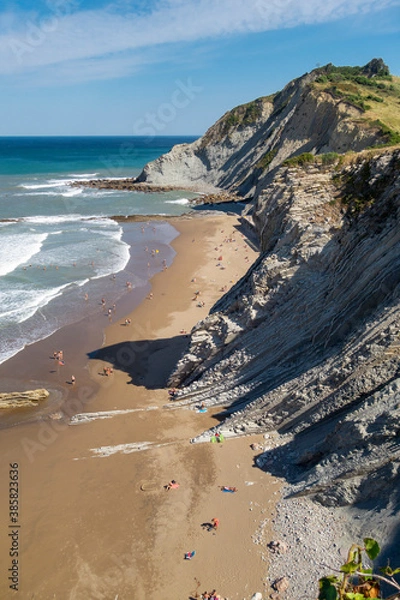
(59, 244)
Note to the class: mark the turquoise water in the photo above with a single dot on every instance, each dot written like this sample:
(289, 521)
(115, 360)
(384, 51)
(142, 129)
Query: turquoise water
(57, 242)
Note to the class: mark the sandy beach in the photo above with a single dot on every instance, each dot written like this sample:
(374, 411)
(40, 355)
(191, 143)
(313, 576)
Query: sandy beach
(94, 519)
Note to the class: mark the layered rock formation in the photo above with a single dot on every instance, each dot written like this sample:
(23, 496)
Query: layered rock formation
(309, 340)
(22, 399)
(307, 344)
(242, 149)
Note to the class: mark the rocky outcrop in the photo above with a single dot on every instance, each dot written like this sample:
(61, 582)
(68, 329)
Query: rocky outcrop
(308, 341)
(306, 345)
(130, 184)
(23, 399)
(243, 149)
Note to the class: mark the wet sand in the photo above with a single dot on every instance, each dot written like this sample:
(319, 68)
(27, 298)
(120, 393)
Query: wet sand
(95, 520)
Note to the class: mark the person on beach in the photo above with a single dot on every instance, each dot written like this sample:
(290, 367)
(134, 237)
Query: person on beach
(215, 523)
(73, 379)
(172, 485)
(210, 595)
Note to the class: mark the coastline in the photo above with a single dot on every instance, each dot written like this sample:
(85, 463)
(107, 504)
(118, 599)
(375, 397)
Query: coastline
(110, 520)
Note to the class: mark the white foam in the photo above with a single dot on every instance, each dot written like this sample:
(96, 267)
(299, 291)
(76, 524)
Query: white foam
(72, 192)
(19, 305)
(84, 176)
(122, 254)
(17, 249)
(73, 217)
(182, 201)
(8, 352)
(49, 183)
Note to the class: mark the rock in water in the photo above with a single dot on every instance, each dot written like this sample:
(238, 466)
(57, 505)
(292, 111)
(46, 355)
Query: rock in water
(22, 399)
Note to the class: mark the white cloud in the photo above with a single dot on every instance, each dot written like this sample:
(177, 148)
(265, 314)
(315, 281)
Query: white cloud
(104, 43)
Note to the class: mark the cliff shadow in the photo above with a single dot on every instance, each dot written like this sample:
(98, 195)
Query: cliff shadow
(148, 363)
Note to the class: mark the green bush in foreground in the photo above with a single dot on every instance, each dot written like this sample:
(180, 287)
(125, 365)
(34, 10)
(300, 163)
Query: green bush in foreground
(355, 582)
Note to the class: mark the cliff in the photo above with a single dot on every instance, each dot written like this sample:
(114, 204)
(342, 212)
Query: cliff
(306, 346)
(327, 110)
(308, 340)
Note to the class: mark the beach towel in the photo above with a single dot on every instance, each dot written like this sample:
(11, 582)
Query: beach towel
(229, 490)
(202, 410)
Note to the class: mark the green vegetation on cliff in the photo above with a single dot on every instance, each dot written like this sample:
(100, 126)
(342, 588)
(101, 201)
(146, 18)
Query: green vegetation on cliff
(371, 89)
(241, 116)
(359, 187)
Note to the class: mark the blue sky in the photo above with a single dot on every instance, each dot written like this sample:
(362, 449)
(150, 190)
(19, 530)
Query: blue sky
(171, 67)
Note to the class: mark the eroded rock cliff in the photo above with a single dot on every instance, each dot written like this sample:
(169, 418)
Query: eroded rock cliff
(309, 339)
(241, 151)
(306, 346)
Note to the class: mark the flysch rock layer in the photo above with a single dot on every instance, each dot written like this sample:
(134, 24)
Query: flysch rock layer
(311, 333)
(306, 346)
(242, 150)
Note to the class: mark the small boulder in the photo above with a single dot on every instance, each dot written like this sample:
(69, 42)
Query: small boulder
(281, 585)
(22, 399)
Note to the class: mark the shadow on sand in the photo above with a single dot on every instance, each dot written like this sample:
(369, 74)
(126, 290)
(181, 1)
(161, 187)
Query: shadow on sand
(148, 363)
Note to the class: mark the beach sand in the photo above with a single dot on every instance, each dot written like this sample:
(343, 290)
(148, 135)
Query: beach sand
(95, 520)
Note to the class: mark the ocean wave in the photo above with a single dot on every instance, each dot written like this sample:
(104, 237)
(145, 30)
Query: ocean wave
(84, 176)
(20, 304)
(119, 258)
(73, 217)
(70, 192)
(18, 249)
(48, 183)
(9, 349)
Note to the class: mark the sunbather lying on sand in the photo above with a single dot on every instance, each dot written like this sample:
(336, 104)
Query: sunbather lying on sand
(172, 485)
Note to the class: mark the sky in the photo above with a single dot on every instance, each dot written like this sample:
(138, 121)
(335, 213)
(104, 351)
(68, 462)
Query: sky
(171, 67)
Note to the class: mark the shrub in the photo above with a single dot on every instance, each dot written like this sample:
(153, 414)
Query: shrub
(374, 98)
(300, 160)
(265, 160)
(329, 158)
(392, 136)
